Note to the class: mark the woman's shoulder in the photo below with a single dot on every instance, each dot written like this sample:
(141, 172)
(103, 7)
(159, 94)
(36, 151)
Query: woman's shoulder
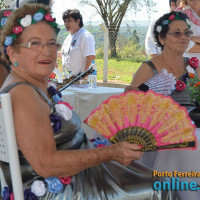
(153, 62)
(20, 91)
(26, 98)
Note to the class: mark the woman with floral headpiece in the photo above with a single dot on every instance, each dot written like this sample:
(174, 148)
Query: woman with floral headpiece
(57, 160)
(172, 33)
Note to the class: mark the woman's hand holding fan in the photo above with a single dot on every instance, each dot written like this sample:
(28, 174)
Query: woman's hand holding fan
(125, 153)
(147, 118)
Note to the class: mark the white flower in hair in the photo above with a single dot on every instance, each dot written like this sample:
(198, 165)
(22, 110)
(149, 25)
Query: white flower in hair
(190, 69)
(26, 21)
(159, 29)
(188, 22)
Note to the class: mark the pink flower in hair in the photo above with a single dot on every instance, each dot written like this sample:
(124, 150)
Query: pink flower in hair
(49, 18)
(7, 13)
(172, 17)
(100, 145)
(17, 29)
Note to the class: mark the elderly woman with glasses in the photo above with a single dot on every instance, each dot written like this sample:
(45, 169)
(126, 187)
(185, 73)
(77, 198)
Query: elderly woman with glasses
(57, 160)
(172, 33)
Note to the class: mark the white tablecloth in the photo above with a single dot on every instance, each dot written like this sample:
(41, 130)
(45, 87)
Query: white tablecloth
(177, 160)
(85, 100)
(71, 98)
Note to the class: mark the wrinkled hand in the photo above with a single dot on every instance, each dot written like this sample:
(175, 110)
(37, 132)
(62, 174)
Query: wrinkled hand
(125, 152)
(130, 87)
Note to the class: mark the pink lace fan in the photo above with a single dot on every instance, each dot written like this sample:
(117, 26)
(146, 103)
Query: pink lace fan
(147, 118)
(163, 83)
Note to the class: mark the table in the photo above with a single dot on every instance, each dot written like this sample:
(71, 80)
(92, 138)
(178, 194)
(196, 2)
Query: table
(71, 98)
(177, 160)
(85, 100)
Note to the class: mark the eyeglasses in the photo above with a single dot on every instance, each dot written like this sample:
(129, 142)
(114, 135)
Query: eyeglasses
(37, 45)
(178, 34)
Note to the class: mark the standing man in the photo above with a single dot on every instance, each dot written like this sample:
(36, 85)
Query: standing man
(79, 46)
(150, 45)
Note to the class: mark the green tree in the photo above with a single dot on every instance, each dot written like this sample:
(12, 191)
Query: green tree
(113, 12)
(132, 51)
(136, 37)
(2, 4)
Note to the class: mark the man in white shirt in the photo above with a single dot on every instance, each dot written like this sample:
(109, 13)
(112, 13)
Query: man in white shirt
(150, 45)
(79, 46)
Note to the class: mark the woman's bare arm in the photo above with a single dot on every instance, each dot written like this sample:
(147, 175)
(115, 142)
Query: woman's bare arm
(35, 138)
(143, 74)
(89, 59)
(195, 39)
(195, 48)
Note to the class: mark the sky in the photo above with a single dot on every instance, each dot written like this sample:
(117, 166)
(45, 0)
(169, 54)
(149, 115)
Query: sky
(88, 12)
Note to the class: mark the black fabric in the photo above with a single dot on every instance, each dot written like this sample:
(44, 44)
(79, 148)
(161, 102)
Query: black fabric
(143, 87)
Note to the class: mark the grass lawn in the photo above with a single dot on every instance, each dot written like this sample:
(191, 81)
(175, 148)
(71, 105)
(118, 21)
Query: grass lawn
(118, 71)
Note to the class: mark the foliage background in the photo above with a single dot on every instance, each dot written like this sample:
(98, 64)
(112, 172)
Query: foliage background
(130, 50)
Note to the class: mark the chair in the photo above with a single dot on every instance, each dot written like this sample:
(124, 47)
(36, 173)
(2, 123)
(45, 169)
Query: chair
(8, 147)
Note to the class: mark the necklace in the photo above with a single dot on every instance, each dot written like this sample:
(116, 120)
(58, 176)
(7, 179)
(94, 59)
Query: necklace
(172, 68)
(73, 42)
(71, 45)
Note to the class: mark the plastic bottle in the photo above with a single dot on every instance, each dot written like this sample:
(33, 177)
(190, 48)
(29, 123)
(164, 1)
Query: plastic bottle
(93, 76)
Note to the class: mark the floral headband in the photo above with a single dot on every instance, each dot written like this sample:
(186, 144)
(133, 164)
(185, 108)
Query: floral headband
(5, 17)
(27, 21)
(177, 16)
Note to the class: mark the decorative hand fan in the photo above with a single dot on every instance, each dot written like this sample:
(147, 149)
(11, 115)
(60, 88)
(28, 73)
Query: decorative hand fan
(163, 83)
(146, 118)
